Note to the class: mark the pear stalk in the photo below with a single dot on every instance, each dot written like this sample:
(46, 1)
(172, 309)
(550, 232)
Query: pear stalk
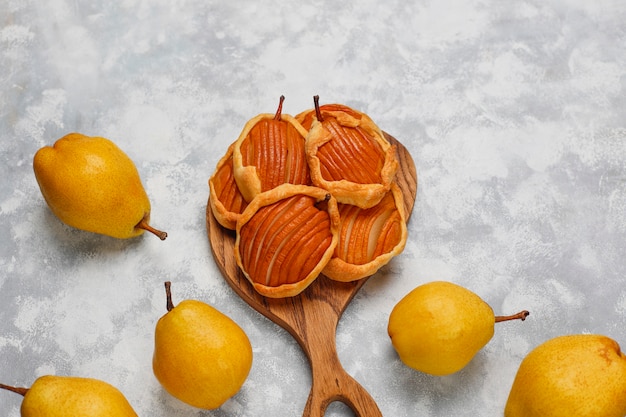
(17, 390)
(168, 295)
(143, 224)
(318, 112)
(518, 316)
(278, 115)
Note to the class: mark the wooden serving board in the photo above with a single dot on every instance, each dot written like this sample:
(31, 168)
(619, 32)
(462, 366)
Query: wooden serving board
(312, 316)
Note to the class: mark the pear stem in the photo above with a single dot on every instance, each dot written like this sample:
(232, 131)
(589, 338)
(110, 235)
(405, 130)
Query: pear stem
(17, 390)
(519, 316)
(168, 295)
(280, 109)
(143, 224)
(318, 112)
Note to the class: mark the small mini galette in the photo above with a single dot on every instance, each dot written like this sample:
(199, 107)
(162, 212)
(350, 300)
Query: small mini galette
(368, 238)
(348, 154)
(270, 152)
(226, 201)
(285, 238)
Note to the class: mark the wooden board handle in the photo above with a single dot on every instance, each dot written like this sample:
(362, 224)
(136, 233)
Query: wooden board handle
(332, 383)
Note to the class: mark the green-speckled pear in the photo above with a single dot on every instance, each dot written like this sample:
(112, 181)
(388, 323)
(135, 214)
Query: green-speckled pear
(91, 184)
(64, 396)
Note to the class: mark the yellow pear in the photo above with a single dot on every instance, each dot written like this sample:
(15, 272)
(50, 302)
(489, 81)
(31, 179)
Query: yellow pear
(64, 396)
(438, 327)
(580, 375)
(201, 356)
(91, 184)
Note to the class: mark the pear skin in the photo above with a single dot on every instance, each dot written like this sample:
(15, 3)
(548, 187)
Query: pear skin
(201, 356)
(59, 396)
(438, 327)
(91, 184)
(570, 376)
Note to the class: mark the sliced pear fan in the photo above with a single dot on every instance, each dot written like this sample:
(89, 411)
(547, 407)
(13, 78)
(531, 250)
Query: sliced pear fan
(348, 154)
(368, 238)
(227, 202)
(270, 152)
(285, 237)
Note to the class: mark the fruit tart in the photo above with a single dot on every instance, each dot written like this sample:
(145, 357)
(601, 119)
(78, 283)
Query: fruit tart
(348, 154)
(227, 202)
(285, 237)
(368, 238)
(269, 152)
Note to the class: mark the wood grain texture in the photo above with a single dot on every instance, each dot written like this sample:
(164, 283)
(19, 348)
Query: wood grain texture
(312, 316)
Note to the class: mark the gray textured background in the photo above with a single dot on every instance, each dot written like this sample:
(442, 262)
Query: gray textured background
(514, 112)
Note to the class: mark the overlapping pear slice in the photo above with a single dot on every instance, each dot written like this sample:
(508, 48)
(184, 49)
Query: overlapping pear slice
(227, 202)
(368, 238)
(269, 152)
(348, 154)
(285, 238)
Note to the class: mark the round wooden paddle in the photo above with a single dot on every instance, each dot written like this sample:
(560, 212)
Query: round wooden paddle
(312, 316)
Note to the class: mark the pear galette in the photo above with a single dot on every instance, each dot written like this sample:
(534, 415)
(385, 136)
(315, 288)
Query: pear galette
(285, 237)
(348, 154)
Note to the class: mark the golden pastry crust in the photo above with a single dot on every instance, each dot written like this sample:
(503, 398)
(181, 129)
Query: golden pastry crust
(348, 154)
(269, 152)
(226, 201)
(368, 238)
(285, 238)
